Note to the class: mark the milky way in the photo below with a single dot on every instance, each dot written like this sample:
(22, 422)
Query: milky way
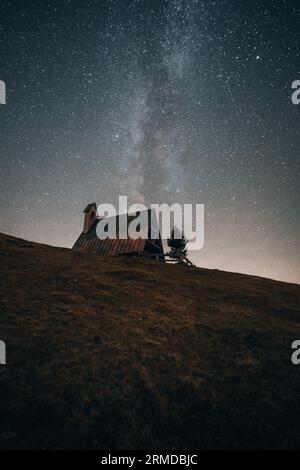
(162, 101)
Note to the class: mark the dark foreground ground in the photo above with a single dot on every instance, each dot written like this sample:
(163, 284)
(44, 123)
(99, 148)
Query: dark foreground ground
(120, 353)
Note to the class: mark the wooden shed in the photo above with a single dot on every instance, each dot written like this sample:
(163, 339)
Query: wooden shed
(140, 245)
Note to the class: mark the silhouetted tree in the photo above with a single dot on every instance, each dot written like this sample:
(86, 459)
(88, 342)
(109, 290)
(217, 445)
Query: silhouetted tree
(177, 244)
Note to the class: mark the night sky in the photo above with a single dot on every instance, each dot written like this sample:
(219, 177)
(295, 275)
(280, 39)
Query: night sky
(163, 101)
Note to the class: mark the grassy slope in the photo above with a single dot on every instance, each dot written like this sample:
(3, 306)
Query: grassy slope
(111, 352)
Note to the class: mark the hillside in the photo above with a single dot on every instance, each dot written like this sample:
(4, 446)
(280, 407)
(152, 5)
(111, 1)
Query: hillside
(121, 353)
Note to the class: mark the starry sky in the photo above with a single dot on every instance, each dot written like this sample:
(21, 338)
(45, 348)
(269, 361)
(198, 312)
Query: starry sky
(162, 101)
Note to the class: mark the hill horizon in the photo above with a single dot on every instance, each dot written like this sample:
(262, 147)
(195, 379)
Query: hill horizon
(119, 353)
(69, 247)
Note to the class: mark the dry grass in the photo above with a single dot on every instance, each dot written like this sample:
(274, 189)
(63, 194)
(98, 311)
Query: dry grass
(121, 353)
